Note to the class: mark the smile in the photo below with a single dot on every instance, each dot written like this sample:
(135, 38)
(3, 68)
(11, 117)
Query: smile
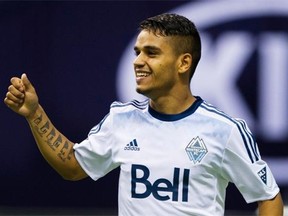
(142, 74)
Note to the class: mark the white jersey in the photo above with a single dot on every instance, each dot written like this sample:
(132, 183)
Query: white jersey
(175, 164)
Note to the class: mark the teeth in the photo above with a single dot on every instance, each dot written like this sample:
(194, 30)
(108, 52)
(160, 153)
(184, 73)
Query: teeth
(140, 74)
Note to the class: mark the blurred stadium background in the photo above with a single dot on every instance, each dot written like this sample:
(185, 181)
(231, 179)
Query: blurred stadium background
(77, 54)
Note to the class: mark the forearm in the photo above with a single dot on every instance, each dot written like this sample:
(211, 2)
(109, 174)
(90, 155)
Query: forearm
(273, 207)
(54, 146)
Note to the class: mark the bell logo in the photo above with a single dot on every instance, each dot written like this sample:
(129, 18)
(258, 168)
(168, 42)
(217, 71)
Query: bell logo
(162, 189)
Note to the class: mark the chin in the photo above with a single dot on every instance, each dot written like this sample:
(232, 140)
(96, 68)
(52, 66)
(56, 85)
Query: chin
(142, 91)
(139, 90)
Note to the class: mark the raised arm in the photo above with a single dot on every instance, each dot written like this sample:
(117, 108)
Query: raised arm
(54, 146)
(273, 207)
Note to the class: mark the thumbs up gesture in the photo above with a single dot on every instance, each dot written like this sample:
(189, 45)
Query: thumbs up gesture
(21, 96)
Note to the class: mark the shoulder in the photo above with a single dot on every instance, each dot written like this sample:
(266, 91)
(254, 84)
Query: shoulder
(224, 121)
(130, 106)
(238, 128)
(215, 114)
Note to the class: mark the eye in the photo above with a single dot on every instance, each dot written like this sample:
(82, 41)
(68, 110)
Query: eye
(152, 53)
(137, 52)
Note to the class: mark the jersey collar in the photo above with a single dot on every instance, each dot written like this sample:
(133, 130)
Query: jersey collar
(175, 117)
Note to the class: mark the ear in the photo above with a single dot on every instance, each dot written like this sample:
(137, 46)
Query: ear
(185, 62)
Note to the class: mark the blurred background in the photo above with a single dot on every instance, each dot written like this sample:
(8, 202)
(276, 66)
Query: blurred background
(78, 55)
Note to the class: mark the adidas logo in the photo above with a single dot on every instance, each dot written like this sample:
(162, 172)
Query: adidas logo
(132, 146)
(263, 175)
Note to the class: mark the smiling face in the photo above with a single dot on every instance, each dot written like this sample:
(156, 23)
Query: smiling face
(156, 65)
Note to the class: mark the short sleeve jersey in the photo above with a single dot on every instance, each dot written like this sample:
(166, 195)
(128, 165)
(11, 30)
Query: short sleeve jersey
(175, 164)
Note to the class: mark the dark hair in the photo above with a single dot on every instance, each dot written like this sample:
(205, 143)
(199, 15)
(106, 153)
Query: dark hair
(181, 27)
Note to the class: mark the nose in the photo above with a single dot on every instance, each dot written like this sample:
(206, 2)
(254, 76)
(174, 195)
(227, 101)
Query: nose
(139, 61)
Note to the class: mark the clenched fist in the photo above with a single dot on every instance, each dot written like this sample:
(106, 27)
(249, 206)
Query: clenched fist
(21, 96)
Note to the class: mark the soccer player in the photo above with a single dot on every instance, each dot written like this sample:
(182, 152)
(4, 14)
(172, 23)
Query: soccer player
(176, 152)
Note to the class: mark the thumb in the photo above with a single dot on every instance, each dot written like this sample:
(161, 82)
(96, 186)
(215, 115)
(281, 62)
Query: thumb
(27, 84)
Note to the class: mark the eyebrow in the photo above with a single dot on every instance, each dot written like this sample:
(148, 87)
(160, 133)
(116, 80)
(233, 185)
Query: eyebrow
(154, 48)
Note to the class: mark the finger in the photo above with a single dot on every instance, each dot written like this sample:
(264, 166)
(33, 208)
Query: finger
(17, 83)
(13, 98)
(11, 104)
(15, 91)
(26, 82)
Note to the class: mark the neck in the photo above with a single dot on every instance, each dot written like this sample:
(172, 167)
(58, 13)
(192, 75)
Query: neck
(172, 105)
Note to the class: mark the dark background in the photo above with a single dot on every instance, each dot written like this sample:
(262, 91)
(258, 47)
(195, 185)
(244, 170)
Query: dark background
(70, 51)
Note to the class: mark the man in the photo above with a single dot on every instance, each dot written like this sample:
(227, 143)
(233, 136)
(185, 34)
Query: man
(177, 153)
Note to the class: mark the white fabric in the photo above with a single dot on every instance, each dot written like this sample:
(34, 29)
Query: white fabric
(175, 164)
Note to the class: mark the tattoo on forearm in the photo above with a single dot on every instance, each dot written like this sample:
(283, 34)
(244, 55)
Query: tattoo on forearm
(53, 139)
(37, 120)
(45, 128)
(65, 152)
(54, 144)
(57, 143)
(50, 136)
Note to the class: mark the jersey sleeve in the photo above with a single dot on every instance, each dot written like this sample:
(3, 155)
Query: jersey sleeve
(94, 154)
(243, 166)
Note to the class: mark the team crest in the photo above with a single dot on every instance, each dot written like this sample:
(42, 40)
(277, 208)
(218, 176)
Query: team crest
(196, 150)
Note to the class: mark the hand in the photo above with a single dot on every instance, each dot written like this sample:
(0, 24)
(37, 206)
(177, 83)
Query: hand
(21, 96)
